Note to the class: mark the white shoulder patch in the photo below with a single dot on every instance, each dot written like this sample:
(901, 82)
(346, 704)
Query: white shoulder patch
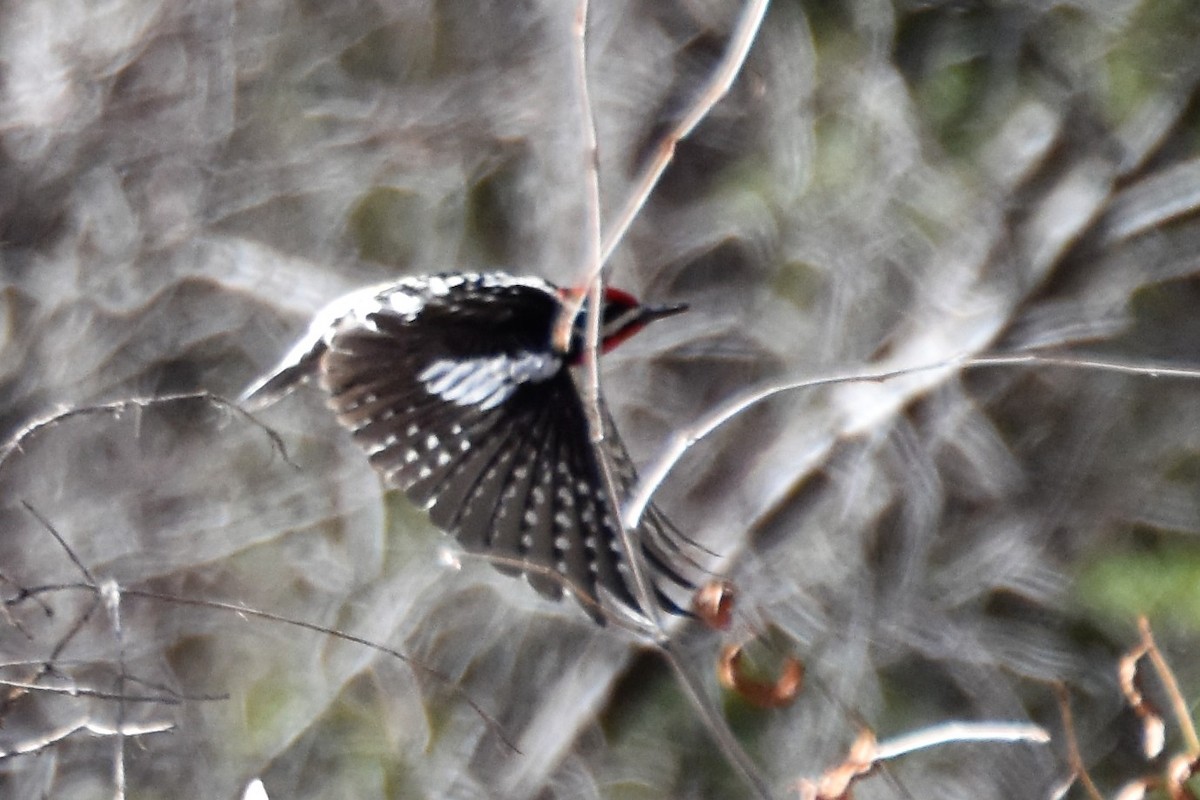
(488, 381)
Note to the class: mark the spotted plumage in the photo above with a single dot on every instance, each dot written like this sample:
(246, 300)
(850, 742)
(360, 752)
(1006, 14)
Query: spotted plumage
(452, 386)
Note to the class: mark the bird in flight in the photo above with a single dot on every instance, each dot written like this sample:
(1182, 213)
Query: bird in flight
(453, 386)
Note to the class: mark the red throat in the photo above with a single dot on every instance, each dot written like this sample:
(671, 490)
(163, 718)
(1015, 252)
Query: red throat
(611, 295)
(616, 339)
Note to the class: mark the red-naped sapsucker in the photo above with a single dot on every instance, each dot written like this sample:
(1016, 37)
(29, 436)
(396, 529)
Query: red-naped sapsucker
(452, 385)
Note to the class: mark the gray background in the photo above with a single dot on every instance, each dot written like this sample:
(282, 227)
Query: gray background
(183, 183)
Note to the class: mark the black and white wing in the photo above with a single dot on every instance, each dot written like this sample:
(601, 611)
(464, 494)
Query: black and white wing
(458, 399)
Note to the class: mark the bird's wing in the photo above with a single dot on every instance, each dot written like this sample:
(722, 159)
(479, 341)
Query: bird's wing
(497, 448)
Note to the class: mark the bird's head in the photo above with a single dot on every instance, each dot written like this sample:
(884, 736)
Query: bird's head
(620, 318)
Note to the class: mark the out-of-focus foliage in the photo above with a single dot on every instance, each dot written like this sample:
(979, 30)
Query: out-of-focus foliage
(888, 184)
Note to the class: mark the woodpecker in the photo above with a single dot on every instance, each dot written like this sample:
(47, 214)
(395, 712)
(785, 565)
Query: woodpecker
(453, 386)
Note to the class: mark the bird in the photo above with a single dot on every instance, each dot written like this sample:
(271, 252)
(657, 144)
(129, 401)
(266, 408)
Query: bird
(453, 385)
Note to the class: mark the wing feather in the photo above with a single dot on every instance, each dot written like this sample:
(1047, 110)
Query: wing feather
(492, 439)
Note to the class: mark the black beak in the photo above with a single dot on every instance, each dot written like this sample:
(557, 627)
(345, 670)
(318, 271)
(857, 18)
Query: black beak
(648, 314)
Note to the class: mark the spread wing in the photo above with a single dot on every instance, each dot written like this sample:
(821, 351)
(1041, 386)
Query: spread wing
(492, 439)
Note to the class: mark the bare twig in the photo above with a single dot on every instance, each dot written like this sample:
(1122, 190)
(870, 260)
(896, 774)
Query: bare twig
(46, 666)
(110, 594)
(591, 195)
(117, 407)
(248, 611)
(594, 259)
(1074, 759)
(686, 438)
(1179, 768)
(82, 691)
(1143, 369)
(714, 722)
(593, 402)
(744, 33)
(866, 753)
(591, 228)
(45, 523)
(57, 735)
(1173, 779)
(104, 593)
(1154, 730)
(1179, 706)
(951, 732)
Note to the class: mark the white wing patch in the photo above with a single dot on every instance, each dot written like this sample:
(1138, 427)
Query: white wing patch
(353, 309)
(488, 381)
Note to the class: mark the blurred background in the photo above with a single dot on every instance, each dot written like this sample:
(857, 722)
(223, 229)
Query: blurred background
(888, 184)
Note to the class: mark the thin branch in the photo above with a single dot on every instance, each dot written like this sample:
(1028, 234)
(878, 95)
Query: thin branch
(951, 732)
(77, 691)
(46, 666)
(595, 259)
(40, 743)
(248, 611)
(744, 33)
(46, 609)
(1154, 729)
(104, 594)
(1074, 758)
(1183, 714)
(35, 592)
(591, 245)
(866, 753)
(45, 523)
(597, 252)
(110, 593)
(740, 41)
(592, 264)
(165, 693)
(715, 723)
(693, 688)
(593, 403)
(1120, 367)
(117, 407)
(685, 439)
